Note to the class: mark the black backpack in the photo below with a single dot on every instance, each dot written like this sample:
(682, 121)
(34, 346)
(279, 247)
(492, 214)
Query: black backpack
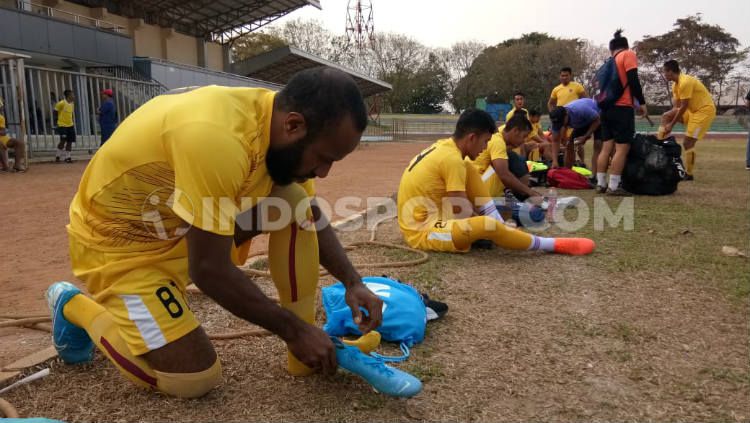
(654, 167)
(607, 87)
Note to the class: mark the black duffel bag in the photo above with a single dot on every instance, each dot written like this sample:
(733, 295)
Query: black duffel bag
(654, 167)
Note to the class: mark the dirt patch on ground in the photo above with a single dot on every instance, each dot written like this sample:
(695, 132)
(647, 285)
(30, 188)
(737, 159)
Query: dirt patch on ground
(529, 336)
(515, 345)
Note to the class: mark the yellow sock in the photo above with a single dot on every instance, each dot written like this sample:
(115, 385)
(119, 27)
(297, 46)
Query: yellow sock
(305, 310)
(86, 313)
(466, 231)
(689, 160)
(293, 261)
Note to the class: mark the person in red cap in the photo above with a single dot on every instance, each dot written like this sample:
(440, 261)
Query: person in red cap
(107, 115)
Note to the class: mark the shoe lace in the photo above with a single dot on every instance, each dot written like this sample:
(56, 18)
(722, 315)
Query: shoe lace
(378, 365)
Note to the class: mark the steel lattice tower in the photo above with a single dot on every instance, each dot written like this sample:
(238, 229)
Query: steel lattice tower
(360, 26)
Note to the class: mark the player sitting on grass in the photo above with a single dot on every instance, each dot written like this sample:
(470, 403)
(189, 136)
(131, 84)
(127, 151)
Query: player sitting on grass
(536, 146)
(156, 210)
(444, 206)
(582, 116)
(693, 106)
(7, 142)
(501, 168)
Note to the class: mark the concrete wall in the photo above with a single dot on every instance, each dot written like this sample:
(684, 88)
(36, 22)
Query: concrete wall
(151, 40)
(147, 40)
(34, 33)
(180, 48)
(215, 57)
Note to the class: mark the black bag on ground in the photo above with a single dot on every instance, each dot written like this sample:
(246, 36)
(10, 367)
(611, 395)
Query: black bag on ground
(654, 167)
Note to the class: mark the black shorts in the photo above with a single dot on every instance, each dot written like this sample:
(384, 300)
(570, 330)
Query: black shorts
(618, 123)
(67, 134)
(517, 165)
(579, 132)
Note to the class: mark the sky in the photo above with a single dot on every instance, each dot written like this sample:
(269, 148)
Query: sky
(440, 23)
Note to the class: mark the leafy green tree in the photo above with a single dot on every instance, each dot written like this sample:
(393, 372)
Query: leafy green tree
(420, 91)
(530, 64)
(255, 43)
(705, 51)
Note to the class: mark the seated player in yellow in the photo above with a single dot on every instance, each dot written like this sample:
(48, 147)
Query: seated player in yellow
(500, 168)
(565, 92)
(444, 206)
(693, 106)
(156, 210)
(536, 146)
(519, 101)
(7, 142)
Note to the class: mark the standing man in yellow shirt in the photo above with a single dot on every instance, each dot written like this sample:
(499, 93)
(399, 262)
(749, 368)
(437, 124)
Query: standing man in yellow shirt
(174, 197)
(519, 101)
(565, 92)
(693, 106)
(444, 206)
(65, 126)
(7, 142)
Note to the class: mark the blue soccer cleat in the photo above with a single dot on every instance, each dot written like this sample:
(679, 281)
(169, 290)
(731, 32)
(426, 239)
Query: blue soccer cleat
(72, 343)
(383, 378)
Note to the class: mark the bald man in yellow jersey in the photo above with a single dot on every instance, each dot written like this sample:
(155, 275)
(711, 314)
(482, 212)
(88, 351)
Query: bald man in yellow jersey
(174, 197)
(693, 106)
(444, 206)
(565, 92)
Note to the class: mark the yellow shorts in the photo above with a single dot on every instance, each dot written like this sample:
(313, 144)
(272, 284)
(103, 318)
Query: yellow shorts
(5, 139)
(697, 123)
(493, 183)
(145, 294)
(438, 238)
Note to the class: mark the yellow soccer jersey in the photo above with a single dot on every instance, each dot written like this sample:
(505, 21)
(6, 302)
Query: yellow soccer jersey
(512, 112)
(435, 171)
(3, 138)
(496, 149)
(691, 89)
(196, 156)
(64, 113)
(536, 130)
(564, 94)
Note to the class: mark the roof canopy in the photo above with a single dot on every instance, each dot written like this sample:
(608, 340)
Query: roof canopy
(216, 20)
(280, 64)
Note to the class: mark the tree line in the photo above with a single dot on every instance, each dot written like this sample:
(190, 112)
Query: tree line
(427, 79)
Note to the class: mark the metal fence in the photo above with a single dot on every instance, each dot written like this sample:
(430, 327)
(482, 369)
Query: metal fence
(430, 127)
(45, 87)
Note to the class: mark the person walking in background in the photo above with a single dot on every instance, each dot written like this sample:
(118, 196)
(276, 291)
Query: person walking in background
(65, 127)
(107, 115)
(618, 121)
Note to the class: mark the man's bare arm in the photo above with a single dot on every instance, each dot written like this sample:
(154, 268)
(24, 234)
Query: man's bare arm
(510, 180)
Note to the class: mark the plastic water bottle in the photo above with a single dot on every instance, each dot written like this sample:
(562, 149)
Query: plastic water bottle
(551, 205)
